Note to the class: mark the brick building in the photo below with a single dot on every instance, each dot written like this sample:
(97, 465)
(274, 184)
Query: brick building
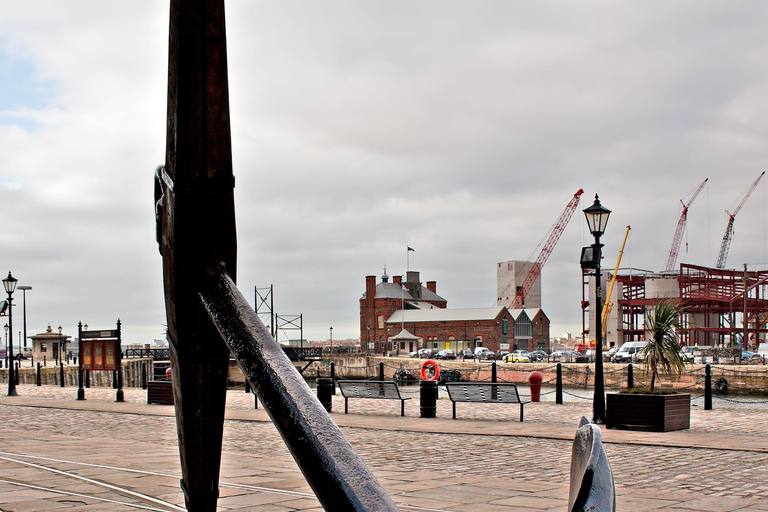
(387, 308)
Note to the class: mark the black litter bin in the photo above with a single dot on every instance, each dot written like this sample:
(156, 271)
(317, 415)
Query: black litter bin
(325, 392)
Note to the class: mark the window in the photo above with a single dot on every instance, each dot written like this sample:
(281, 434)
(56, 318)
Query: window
(43, 347)
(380, 319)
(523, 327)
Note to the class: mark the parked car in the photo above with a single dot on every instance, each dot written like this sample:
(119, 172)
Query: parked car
(537, 356)
(568, 356)
(446, 354)
(466, 354)
(746, 355)
(608, 354)
(629, 352)
(425, 353)
(500, 355)
(516, 357)
(483, 353)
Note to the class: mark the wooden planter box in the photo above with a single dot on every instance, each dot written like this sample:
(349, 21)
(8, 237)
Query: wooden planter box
(654, 413)
(160, 392)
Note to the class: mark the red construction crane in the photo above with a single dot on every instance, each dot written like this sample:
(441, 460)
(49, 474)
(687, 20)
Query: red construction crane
(726, 244)
(554, 236)
(673, 250)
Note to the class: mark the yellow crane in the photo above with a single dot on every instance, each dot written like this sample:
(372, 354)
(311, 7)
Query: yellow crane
(608, 304)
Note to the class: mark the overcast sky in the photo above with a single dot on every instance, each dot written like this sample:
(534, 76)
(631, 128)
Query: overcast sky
(461, 129)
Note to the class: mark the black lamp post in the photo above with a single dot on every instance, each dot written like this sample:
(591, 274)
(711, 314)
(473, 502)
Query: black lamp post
(80, 390)
(597, 218)
(331, 329)
(62, 350)
(24, 310)
(6, 345)
(10, 286)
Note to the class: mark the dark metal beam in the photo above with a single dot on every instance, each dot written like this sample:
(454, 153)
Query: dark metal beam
(339, 478)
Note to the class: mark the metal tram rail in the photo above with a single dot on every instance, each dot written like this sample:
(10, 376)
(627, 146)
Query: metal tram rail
(147, 502)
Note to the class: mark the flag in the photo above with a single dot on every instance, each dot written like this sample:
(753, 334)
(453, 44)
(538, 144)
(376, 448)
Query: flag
(410, 248)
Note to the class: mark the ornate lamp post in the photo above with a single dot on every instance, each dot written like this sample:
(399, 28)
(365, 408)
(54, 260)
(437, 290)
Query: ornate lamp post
(10, 286)
(331, 329)
(6, 345)
(24, 310)
(597, 218)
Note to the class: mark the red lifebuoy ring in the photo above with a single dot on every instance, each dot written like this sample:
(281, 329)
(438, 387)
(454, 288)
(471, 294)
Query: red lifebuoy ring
(435, 369)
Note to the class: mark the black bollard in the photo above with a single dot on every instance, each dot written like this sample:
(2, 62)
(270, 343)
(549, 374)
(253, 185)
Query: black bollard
(493, 371)
(381, 370)
(120, 395)
(559, 385)
(16, 375)
(88, 378)
(333, 378)
(61, 374)
(38, 379)
(144, 375)
(428, 398)
(325, 392)
(630, 376)
(707, 388)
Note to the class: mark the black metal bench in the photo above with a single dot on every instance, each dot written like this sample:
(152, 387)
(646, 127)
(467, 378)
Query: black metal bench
(381, 389)
(484, 392)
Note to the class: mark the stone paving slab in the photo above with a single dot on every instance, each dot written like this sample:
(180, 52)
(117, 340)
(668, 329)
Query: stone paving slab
(488, 461)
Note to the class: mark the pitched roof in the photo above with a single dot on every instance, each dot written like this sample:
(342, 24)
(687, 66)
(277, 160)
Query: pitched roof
(403, 335)
(531, 312)
(396, 291)
(445, 315)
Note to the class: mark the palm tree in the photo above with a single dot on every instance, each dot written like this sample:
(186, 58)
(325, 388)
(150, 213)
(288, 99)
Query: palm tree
(662, 352)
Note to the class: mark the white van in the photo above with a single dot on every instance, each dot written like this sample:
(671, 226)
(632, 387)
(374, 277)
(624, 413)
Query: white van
(482, 353)
(629, 352)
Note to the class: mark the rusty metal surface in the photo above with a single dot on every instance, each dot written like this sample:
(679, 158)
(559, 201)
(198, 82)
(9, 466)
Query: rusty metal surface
(195, 216)
(339, 478)
(196, 230)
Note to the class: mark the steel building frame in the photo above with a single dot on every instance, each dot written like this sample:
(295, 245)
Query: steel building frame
(714, 302)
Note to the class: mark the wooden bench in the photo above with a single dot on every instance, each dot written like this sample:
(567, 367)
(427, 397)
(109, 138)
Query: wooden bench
(484, 392)
(381, 389)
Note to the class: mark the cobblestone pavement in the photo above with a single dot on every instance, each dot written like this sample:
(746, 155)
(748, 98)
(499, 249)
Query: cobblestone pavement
(650, 475)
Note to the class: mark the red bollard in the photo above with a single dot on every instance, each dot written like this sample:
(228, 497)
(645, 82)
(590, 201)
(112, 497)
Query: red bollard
(534, 379)
(168, 373)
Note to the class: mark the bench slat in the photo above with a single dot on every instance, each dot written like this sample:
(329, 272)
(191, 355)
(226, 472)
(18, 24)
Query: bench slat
(484, 392)
(378, 389)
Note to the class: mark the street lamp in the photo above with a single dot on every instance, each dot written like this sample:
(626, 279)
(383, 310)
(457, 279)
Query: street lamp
(61, 359)
(331, 328)
(10, 286)
(6, 345)
(24, 310)
(597, 218)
